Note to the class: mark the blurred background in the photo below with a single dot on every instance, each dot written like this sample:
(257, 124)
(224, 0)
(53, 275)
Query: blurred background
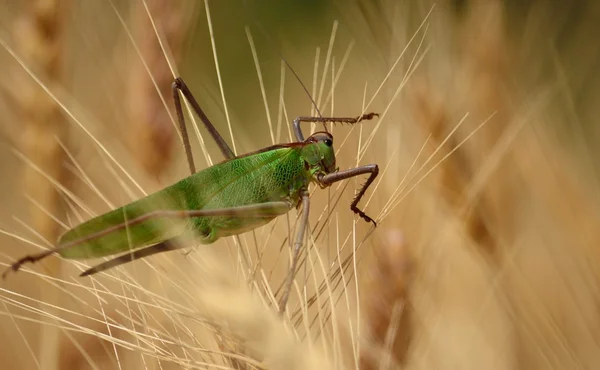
(487, 250)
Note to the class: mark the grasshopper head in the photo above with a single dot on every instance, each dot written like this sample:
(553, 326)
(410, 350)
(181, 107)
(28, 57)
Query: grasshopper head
(319, 153)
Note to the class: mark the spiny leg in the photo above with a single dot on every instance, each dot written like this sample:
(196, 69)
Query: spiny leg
(179, 85)
(351, 120)
(33, 258)
(268, 209)
(295, 253)
(166, 246)
(372, 169)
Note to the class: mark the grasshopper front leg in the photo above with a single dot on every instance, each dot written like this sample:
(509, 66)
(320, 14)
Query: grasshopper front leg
(371, 169)
(324, 120)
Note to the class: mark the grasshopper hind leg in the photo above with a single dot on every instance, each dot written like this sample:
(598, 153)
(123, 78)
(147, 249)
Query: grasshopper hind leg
(166, 246)
(30, 258)
(206, 236)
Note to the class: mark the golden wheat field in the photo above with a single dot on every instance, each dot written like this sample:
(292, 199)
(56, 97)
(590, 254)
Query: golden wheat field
(487, 249)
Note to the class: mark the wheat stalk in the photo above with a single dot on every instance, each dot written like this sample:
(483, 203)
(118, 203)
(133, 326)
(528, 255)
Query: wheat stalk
(40, 40)
(151, 130)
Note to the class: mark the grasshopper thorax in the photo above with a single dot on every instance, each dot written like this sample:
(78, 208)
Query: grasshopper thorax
(318, 153)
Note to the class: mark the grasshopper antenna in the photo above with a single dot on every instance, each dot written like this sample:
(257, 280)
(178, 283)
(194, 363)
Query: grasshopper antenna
(287, 64)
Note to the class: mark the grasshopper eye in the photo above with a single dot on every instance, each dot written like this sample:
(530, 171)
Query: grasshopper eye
(328, 142)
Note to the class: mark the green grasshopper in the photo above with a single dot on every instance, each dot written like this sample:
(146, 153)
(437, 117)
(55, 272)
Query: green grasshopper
(234, 196)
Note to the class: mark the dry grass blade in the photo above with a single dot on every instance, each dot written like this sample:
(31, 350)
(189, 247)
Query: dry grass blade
(257, 329)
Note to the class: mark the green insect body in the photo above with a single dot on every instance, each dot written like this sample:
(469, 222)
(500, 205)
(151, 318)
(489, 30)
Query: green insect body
(276, 173)
(229, 198)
